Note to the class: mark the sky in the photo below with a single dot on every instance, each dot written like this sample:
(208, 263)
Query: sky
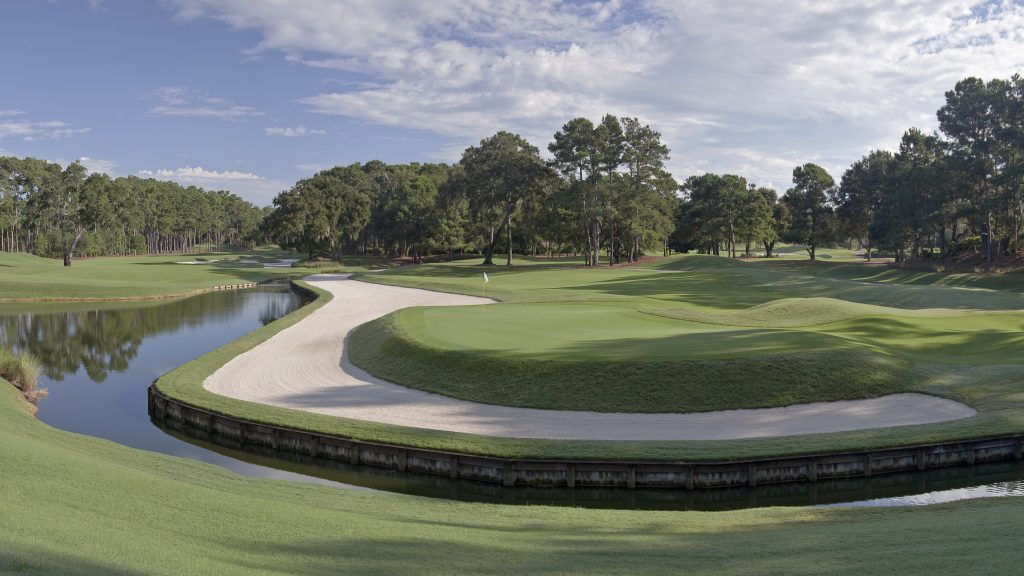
(252, 95)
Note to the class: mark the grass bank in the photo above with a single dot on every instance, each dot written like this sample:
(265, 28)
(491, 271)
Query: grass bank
(74, 504)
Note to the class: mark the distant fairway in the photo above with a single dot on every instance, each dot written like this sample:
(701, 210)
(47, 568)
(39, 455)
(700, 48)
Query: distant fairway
(28, 277)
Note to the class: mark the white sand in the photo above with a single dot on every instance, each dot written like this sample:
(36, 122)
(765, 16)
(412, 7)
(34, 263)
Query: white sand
(305, 367)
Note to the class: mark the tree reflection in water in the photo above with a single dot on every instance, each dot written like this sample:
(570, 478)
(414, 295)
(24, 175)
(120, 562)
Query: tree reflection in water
(105, 337)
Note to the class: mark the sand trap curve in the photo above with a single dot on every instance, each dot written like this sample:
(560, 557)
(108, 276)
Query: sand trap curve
(305, 367)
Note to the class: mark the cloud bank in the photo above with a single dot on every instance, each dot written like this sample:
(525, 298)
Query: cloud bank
(252, 187)
(747, 87)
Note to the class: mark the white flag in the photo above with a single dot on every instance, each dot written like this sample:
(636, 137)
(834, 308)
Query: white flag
(486, 279)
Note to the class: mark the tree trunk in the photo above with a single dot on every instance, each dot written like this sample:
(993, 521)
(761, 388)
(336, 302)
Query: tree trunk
(732, 241)
(988, 237)
(508, 227)
(489, 250)
(70, 251)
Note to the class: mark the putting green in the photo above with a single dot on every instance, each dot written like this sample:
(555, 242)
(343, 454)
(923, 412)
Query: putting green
(690, 334)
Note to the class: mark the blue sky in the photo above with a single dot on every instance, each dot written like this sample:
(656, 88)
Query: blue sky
(251, 95)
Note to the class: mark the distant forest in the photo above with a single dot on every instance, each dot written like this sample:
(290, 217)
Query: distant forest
(63, 212)
(603, 193)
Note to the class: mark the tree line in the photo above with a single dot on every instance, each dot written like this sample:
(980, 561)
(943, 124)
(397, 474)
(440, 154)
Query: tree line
(954, 192)
(61, 212)
(602, 190)
(606, 189)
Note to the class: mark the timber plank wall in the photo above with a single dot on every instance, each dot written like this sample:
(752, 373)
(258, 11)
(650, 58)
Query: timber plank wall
(240, 434)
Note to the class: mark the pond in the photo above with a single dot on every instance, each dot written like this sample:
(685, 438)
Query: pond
(99, 358)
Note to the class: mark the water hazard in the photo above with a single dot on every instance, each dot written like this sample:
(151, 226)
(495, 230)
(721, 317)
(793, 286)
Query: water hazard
(99, 358)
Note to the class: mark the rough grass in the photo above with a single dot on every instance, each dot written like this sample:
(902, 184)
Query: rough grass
(22, 370)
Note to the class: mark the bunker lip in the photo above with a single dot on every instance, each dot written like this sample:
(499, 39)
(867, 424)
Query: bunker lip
(306, 367)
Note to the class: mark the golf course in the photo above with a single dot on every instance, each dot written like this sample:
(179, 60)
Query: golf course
(70, 499)
(538, 287)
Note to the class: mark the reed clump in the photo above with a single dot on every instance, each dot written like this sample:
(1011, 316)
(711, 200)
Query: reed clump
(22, 370)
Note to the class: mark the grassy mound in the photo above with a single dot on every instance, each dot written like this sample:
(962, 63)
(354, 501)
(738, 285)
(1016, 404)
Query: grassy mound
(798, 312)
(650, 382)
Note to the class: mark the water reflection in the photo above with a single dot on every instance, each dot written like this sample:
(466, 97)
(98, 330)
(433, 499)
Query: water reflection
(106, 337)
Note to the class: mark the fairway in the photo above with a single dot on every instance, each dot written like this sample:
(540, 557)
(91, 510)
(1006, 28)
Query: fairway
(31, 278)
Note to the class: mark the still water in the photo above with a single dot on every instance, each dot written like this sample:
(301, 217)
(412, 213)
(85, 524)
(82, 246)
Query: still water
(99, 358)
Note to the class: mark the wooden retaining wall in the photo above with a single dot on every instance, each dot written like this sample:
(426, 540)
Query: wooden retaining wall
(240, 434)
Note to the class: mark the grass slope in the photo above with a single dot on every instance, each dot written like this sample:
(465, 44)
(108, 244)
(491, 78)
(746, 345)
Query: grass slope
(79, 505)
(797, 313)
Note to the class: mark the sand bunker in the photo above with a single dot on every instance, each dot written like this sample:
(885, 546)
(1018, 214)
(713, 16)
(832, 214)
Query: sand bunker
(305, 367)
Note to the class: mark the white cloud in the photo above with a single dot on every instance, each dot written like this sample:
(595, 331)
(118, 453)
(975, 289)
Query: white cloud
(289, 132)
(95, 165)
(9, 113)
(186, 102)
(198, 173)
(252, 187)
(33, 131)
(753, 86)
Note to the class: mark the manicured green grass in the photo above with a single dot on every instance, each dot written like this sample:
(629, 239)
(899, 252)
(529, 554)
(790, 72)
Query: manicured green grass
(672, 338)
(560, 356)
(73, 504)
(27, 277)
(798, 313)
(792, 252)
(994, 390)
(79, 505)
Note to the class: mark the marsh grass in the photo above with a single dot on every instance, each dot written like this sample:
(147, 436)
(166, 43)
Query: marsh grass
(22, 370)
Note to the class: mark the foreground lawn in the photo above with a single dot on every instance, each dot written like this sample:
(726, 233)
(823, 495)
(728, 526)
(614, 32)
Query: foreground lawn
(78, 505)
